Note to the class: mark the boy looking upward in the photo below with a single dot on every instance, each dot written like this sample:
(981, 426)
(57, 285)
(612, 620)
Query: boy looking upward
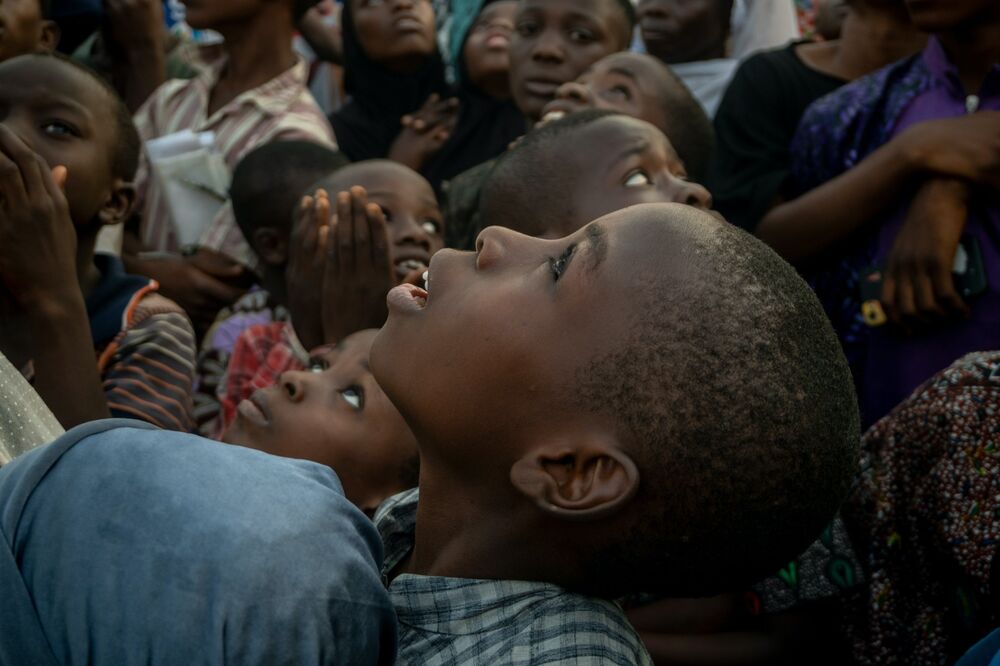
(584, 456)
(583, 166)
(255, 94)
(641, 86)
(61, 302)
(570, 446)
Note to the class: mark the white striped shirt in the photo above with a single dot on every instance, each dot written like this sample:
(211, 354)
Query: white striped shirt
(281, 109)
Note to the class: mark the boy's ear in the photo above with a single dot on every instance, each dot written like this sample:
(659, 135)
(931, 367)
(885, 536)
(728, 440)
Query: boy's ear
(271, 246)
(588, 478)
(119, 204)
(48, 40)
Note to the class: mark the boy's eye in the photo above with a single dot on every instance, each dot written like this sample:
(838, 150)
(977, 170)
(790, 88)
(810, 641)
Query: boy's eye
(581, 35)
(527, 28)
(558, 266)
(355, 397)
(59, 128)
(637, 178)
(619, 93)
(317, 364)
(432, 227)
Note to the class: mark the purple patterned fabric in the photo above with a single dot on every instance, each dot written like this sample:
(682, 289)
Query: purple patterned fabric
(838, 132)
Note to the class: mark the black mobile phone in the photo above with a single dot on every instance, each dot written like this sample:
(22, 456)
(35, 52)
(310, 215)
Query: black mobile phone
(968, 269)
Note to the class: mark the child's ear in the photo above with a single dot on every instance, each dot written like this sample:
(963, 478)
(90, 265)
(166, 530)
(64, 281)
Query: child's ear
(119, 203)
(588, 478)
(271, 246)
(48, 40)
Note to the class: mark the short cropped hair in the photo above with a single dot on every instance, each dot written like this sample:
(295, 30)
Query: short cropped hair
(269, 181)
(125, 159)
(529, 187)
(740, 412)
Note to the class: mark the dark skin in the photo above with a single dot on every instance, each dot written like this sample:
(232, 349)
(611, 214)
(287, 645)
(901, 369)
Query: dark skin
(872, 36)
(487, 49)
(619, 162)
(335, 414)
(964, 149)
(631, 83)
(58, 189)
(515, 479)
(488, 65)
(380, 229)
(258, 36)
(555, 41)
(24, 30)
(398, 34)
(136, 36)
(677, 31)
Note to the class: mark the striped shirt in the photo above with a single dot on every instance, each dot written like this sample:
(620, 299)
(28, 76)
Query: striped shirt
(460, 621)
(145, 349)
(281, 109)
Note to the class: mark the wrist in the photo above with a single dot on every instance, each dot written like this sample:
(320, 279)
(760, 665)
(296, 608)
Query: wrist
(910, 151)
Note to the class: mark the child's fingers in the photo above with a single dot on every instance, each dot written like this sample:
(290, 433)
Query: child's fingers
(359, 224)
(59, 175)
(379, 236)
(302, 230)
(343, 243)
(13, 160)
(321, 221)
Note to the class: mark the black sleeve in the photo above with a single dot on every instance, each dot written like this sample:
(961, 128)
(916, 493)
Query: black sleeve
(750, 163)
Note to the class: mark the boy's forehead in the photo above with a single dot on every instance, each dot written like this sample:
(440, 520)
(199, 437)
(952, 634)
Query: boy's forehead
(594, 9)
(382, 176)
(605, 141)
(50, 78)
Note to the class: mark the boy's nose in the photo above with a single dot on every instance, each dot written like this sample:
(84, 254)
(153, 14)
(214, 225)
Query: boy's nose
(693, 194)
(294, 385)
(548, 47)
(575, 92)
(403, 4)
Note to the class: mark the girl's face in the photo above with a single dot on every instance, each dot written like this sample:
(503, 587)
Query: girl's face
(398, 34)
(487, 48)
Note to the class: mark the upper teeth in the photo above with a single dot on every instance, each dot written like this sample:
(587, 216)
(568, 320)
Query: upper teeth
(412, 264)
(427, 280)
(552, 116)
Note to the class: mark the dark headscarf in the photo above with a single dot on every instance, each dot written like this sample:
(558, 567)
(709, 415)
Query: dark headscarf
(366, 126)
(486, 126)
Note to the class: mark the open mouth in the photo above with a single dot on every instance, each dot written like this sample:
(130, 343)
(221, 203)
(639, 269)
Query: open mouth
(407, 298)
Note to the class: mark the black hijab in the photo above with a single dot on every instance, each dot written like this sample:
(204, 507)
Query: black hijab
(486, 125)
(367, 125)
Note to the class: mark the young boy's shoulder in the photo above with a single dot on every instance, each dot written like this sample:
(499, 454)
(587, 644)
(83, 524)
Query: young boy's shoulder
(146, 348)
(466, 621)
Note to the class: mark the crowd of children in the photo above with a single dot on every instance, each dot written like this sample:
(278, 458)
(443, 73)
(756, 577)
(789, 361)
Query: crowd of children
(562, 332)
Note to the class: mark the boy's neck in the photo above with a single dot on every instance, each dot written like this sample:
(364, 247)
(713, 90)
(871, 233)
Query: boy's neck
(87, 274)
(257, 51)
(462, 534)
(974, 49)
(871, 39)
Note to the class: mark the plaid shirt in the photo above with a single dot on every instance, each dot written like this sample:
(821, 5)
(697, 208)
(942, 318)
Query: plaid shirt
(262, 353)
(459, 621)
